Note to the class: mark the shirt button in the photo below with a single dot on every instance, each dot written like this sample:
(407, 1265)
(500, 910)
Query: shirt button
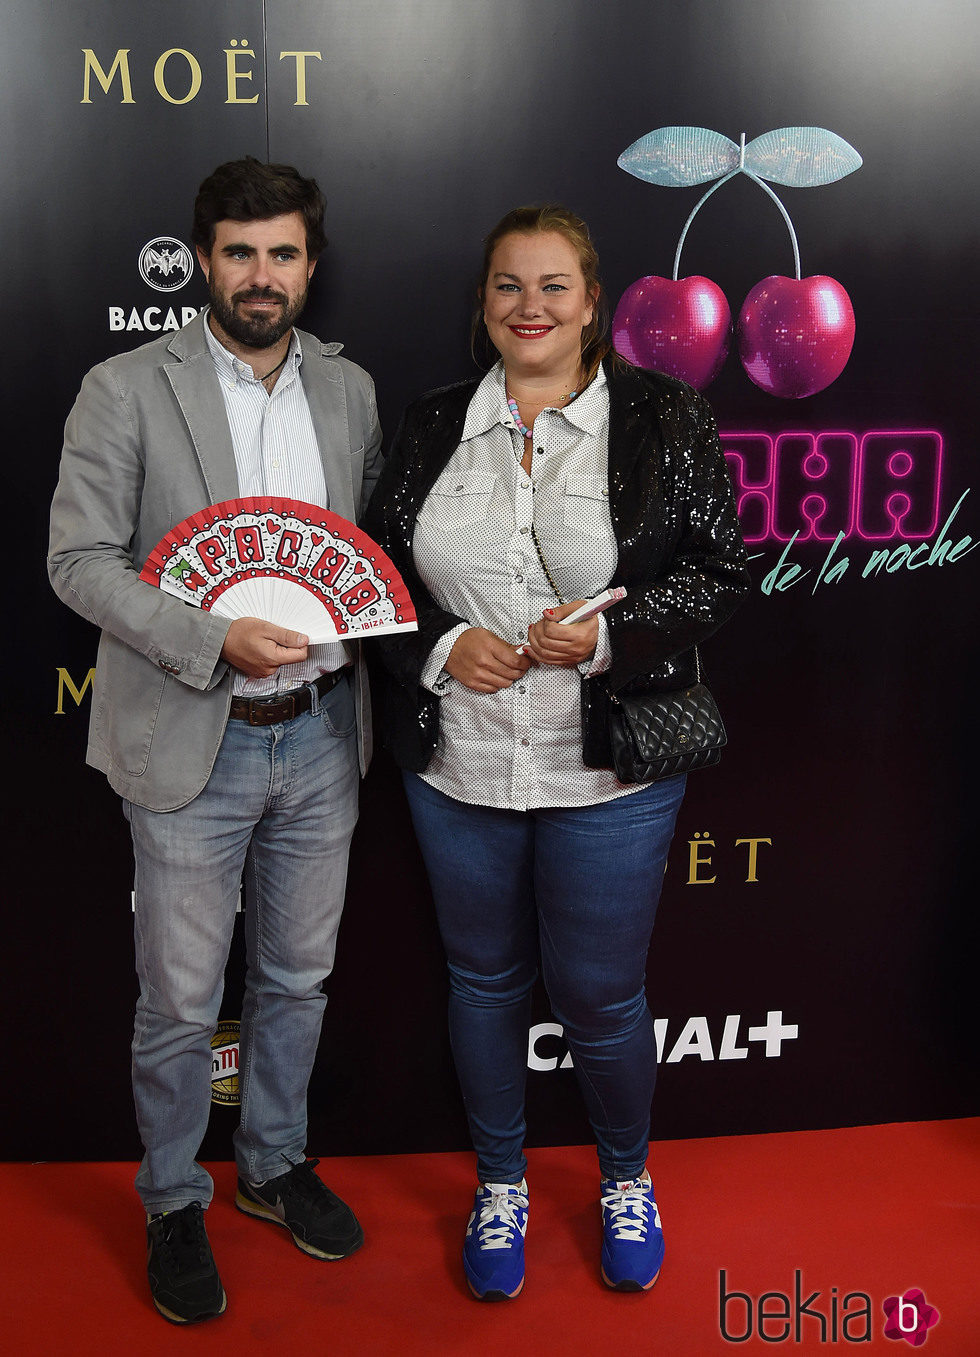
(525, 742)
(524, 529)
(521, 688)
(525, 485)
(519, 579)
(539, 451)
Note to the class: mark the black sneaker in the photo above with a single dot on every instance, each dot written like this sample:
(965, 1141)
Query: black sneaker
(320, 1223)
(184, 1281)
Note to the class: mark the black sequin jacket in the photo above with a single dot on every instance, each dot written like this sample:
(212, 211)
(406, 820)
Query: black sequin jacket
(681, 556)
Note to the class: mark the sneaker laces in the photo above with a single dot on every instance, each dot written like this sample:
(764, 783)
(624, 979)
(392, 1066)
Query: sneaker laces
(627, 1205)
(300, 1181)
(183, 1238)
(502, 1204)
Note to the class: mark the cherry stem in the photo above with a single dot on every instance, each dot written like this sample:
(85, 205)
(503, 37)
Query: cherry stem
(740, 169)
(687, 225)
(789, 225)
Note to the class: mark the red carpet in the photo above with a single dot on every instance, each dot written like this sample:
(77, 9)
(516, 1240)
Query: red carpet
(875, 1210)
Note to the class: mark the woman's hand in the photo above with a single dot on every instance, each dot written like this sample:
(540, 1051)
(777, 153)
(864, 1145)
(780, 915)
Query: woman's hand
(551, 643)
(484, 662)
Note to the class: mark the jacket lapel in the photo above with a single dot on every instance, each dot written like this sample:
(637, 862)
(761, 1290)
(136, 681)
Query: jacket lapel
(439, 439)
(632, 437)
(323, 383)
(195, 385)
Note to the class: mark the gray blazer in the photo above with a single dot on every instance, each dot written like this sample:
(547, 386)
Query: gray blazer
(146, 444)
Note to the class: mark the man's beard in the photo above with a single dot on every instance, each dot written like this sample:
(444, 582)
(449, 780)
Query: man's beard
(257, 332)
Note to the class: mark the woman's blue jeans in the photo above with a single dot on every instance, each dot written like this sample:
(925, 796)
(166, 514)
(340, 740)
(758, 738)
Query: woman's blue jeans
(578, 887)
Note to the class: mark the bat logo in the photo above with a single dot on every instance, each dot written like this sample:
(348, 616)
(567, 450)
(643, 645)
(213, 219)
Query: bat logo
(165, 263)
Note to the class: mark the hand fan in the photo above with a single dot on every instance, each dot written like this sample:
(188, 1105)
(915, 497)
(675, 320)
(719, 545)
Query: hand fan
(286, 562)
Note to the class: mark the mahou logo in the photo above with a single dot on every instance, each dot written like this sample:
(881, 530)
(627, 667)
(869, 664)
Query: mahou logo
(224, 1063)
(165, 263)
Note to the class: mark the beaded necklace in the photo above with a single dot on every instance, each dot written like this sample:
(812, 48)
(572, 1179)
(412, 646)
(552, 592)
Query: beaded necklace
(512, 406)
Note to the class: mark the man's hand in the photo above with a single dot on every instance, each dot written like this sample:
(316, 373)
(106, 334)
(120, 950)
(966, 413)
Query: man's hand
(485, 662)
(550, 643)
(258, 648)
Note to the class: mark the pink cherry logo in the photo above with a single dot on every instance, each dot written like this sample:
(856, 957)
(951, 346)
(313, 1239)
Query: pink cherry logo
(795, 334)
(677, 326)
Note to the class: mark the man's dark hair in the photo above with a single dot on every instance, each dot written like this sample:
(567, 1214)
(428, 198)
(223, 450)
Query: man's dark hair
(247, 190)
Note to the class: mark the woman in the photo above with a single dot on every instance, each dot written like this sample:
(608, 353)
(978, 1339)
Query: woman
(505, 503)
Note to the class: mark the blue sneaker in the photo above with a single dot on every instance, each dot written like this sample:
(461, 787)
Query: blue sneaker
(632, 1240)
(493, 1250)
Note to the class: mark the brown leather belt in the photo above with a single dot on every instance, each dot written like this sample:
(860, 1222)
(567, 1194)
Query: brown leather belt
(269, 711)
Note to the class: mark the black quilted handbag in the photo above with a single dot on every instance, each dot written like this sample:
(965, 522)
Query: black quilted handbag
(655, 735)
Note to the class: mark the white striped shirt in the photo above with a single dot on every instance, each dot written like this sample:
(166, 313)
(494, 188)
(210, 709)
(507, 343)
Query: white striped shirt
(276, 453)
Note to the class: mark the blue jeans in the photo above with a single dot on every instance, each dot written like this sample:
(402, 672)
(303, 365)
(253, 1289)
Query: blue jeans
(580, 887)
(277, 815)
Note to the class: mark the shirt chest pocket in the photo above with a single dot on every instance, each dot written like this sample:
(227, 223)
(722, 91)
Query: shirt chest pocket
(585, 505)
(457, 501)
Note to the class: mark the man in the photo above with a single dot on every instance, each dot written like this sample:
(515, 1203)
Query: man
(234, 744)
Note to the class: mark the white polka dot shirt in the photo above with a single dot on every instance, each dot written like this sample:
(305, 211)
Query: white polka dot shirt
(520, 747)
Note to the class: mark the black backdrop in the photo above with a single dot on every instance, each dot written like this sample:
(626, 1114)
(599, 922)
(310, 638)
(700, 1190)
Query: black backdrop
(848, 700)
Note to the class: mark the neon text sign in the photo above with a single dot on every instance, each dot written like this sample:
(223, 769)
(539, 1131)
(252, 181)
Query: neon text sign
(880, 486)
